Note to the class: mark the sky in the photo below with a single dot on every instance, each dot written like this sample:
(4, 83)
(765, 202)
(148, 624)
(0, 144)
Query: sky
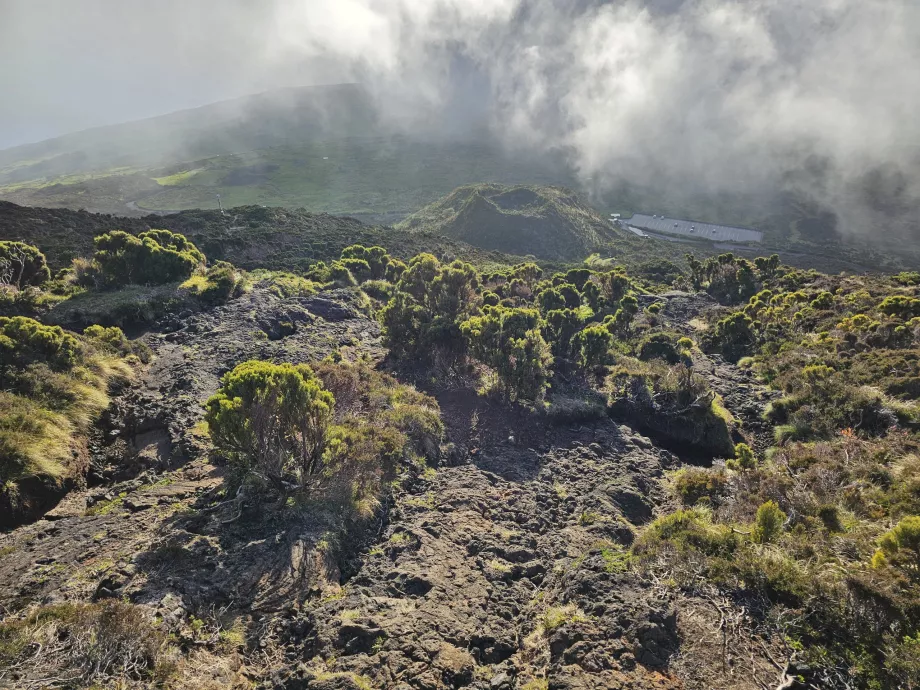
(66, 65)
(725, 92)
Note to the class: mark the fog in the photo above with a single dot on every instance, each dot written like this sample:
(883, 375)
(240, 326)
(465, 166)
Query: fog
(714, 95)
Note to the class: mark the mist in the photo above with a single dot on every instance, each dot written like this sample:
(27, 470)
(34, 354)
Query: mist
(714, 96)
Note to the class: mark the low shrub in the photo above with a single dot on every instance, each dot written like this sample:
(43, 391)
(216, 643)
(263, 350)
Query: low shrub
(333, 430)
(154, 257)
(109, 644)
(272, 420)
(695, 485)
(769, 522)
(659, 346)
(22, 265)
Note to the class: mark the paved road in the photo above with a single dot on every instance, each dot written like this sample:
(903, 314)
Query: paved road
(690, 228)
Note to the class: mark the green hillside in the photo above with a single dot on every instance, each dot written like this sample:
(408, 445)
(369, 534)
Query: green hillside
(249, 237)
(549, 222)
(243, 124)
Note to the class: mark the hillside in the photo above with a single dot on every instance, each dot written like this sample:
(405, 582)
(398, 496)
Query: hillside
(249, 237)
(242, 124)
(322, 148)
(548, 222)
(432, 475)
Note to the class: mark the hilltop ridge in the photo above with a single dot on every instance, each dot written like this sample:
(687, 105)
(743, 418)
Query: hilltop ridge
(548, 222)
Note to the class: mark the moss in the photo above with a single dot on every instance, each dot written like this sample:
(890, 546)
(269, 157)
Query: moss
(616, 559)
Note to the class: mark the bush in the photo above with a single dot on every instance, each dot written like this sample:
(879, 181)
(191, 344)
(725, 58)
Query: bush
(154, 257)
(223, 282)
(112, 338)
(769, 523)
(659, 271)
(24, 341)
(109, 644)
(380, 290)
(744, 458)
(22, 265)
(900, 547)
(733, 336)
(422, 319)
(695, 484)
(54, 385)
(272, 419)
(379, 427)
(593, 347)
(659, 346)
(375, 266)
(508, 340)
(900, 306)
(687, 530)
(560, 327)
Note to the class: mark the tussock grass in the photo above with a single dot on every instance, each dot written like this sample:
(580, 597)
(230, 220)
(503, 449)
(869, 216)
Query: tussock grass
(48, 407)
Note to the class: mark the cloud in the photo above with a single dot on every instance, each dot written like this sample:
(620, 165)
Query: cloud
(718, 95)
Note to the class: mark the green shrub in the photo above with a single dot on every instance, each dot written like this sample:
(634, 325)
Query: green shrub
(900, 547)
(550, 300)
(659, 271)
(744, 458)
(22, 265)
(559, 329)
(359, 269)
(223, 282)
(824, 300)
(24, 341)
(272, 419)
(593, 347)
(687, 530)
(659, 346)
(422, 319)
(509, 341)
(769, 523)
(614, 285)
(733, 336)
(154, 257)
(380, 290)
(112, 338)
(340, 275)
(376, 262)
(54, 385)
(693, 485)
(900, 306)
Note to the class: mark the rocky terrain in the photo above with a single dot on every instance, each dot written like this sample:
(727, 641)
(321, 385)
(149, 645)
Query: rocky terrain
(504, 567)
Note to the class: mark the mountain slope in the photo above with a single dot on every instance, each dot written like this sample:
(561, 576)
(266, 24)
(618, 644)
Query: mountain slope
(252, 122)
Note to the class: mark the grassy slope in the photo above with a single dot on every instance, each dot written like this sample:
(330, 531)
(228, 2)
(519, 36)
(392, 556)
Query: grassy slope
(373, 175)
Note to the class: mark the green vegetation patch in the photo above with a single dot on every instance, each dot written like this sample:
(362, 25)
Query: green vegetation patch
(55, 384)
